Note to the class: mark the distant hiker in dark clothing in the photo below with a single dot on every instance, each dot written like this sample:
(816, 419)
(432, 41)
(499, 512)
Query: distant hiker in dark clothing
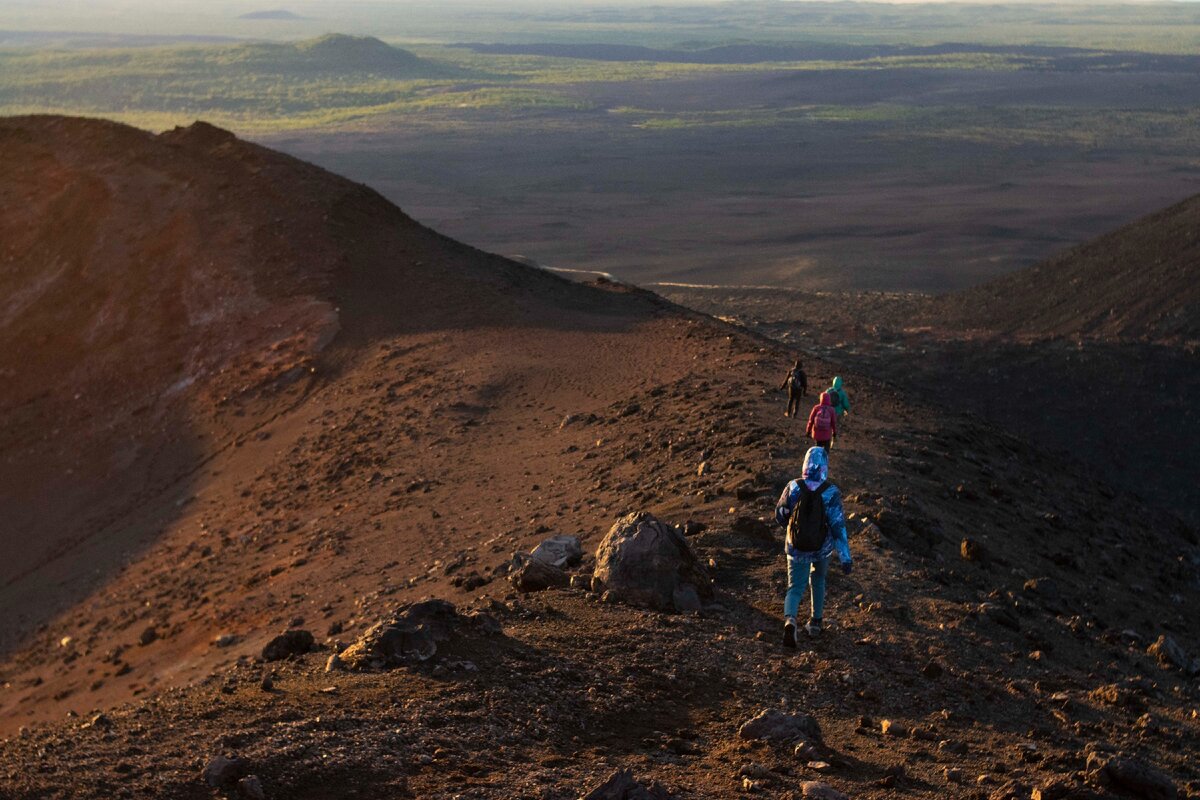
(822, 422)
(810, 509)
(796, 383)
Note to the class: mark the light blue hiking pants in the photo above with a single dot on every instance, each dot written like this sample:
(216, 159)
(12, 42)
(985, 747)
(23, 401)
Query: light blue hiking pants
(802, 575)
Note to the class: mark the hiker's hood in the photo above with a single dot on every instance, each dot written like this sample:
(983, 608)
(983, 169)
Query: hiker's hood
(826, 399)
(837, 383)
(816, 467)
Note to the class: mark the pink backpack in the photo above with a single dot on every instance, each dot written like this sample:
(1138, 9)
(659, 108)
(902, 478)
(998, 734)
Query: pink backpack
(823, 423)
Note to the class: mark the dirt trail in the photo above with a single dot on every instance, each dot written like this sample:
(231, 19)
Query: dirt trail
(469, 407)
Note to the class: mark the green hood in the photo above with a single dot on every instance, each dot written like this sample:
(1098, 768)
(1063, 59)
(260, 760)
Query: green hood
(837, 383)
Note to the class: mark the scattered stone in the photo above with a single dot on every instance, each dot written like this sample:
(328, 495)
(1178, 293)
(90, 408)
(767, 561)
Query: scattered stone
(820, 791)
(559, 551)
(98, 721)
(290, 643)
(148, 636)
(250, 788)
(623, 786)
(534, 575)
(754, 770)
(952, 746)
(1168, 653)
(954, 775)
(805, 751)
(1055, 790)
(334, 663)
(268, 683)
(224, 771)
(1012, 790)
(225, 640)
(1132, 775)
(1000, 615)
(777, 726)
(972, 550)
(892, 728)
(932, 670)
(643, 562)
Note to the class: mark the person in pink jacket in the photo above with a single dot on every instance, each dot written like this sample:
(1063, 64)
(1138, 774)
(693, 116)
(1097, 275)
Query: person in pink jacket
(822, 422)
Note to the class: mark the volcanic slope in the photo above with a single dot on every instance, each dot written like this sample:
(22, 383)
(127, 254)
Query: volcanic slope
(374, 414)
(1141, 282)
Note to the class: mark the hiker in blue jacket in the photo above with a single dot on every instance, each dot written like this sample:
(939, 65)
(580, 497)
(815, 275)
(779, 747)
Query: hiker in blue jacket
(810, 509)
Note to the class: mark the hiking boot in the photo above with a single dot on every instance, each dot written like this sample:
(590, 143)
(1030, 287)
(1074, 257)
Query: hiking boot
(813, 627)
(789, 636)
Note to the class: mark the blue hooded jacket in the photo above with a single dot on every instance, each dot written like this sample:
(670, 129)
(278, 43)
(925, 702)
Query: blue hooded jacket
(816, 470)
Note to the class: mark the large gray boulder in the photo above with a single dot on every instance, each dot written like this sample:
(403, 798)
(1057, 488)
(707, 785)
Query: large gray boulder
(646, 563)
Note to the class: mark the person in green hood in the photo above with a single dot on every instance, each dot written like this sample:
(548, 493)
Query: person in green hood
(841, 400)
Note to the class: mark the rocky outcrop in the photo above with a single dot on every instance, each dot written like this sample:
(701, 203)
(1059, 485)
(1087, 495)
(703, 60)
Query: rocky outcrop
(646, 563)
(413, 635)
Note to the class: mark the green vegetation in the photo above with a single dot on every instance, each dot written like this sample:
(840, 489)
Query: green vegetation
(337, 82)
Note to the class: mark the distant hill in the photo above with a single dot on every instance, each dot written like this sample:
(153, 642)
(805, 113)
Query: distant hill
(1139, 282)
(279, 13)
(334, 53)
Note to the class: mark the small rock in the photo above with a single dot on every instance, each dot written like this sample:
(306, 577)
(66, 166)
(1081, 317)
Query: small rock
(559, 551)
(149, 635)
(1055, 790)
(773, 725)
(754, 770)
(225, 640)
(1168, 652)
(268, 683)
(623, 786)
(534, 575)
(99, 721)
(820, 791)
(289, 643)
(932, 670)
(224, 771)
(805, 752)
(953, 747)
(971, 550)
(892, 728)
(334, 663)
(1134, 776)
(250, 788)
(954, 775)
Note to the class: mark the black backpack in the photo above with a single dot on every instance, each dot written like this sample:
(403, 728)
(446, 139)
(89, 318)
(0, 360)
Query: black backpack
(807, 526)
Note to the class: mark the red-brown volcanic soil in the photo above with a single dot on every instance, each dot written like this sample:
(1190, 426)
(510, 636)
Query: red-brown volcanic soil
(1138, 282)
(242, 394)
